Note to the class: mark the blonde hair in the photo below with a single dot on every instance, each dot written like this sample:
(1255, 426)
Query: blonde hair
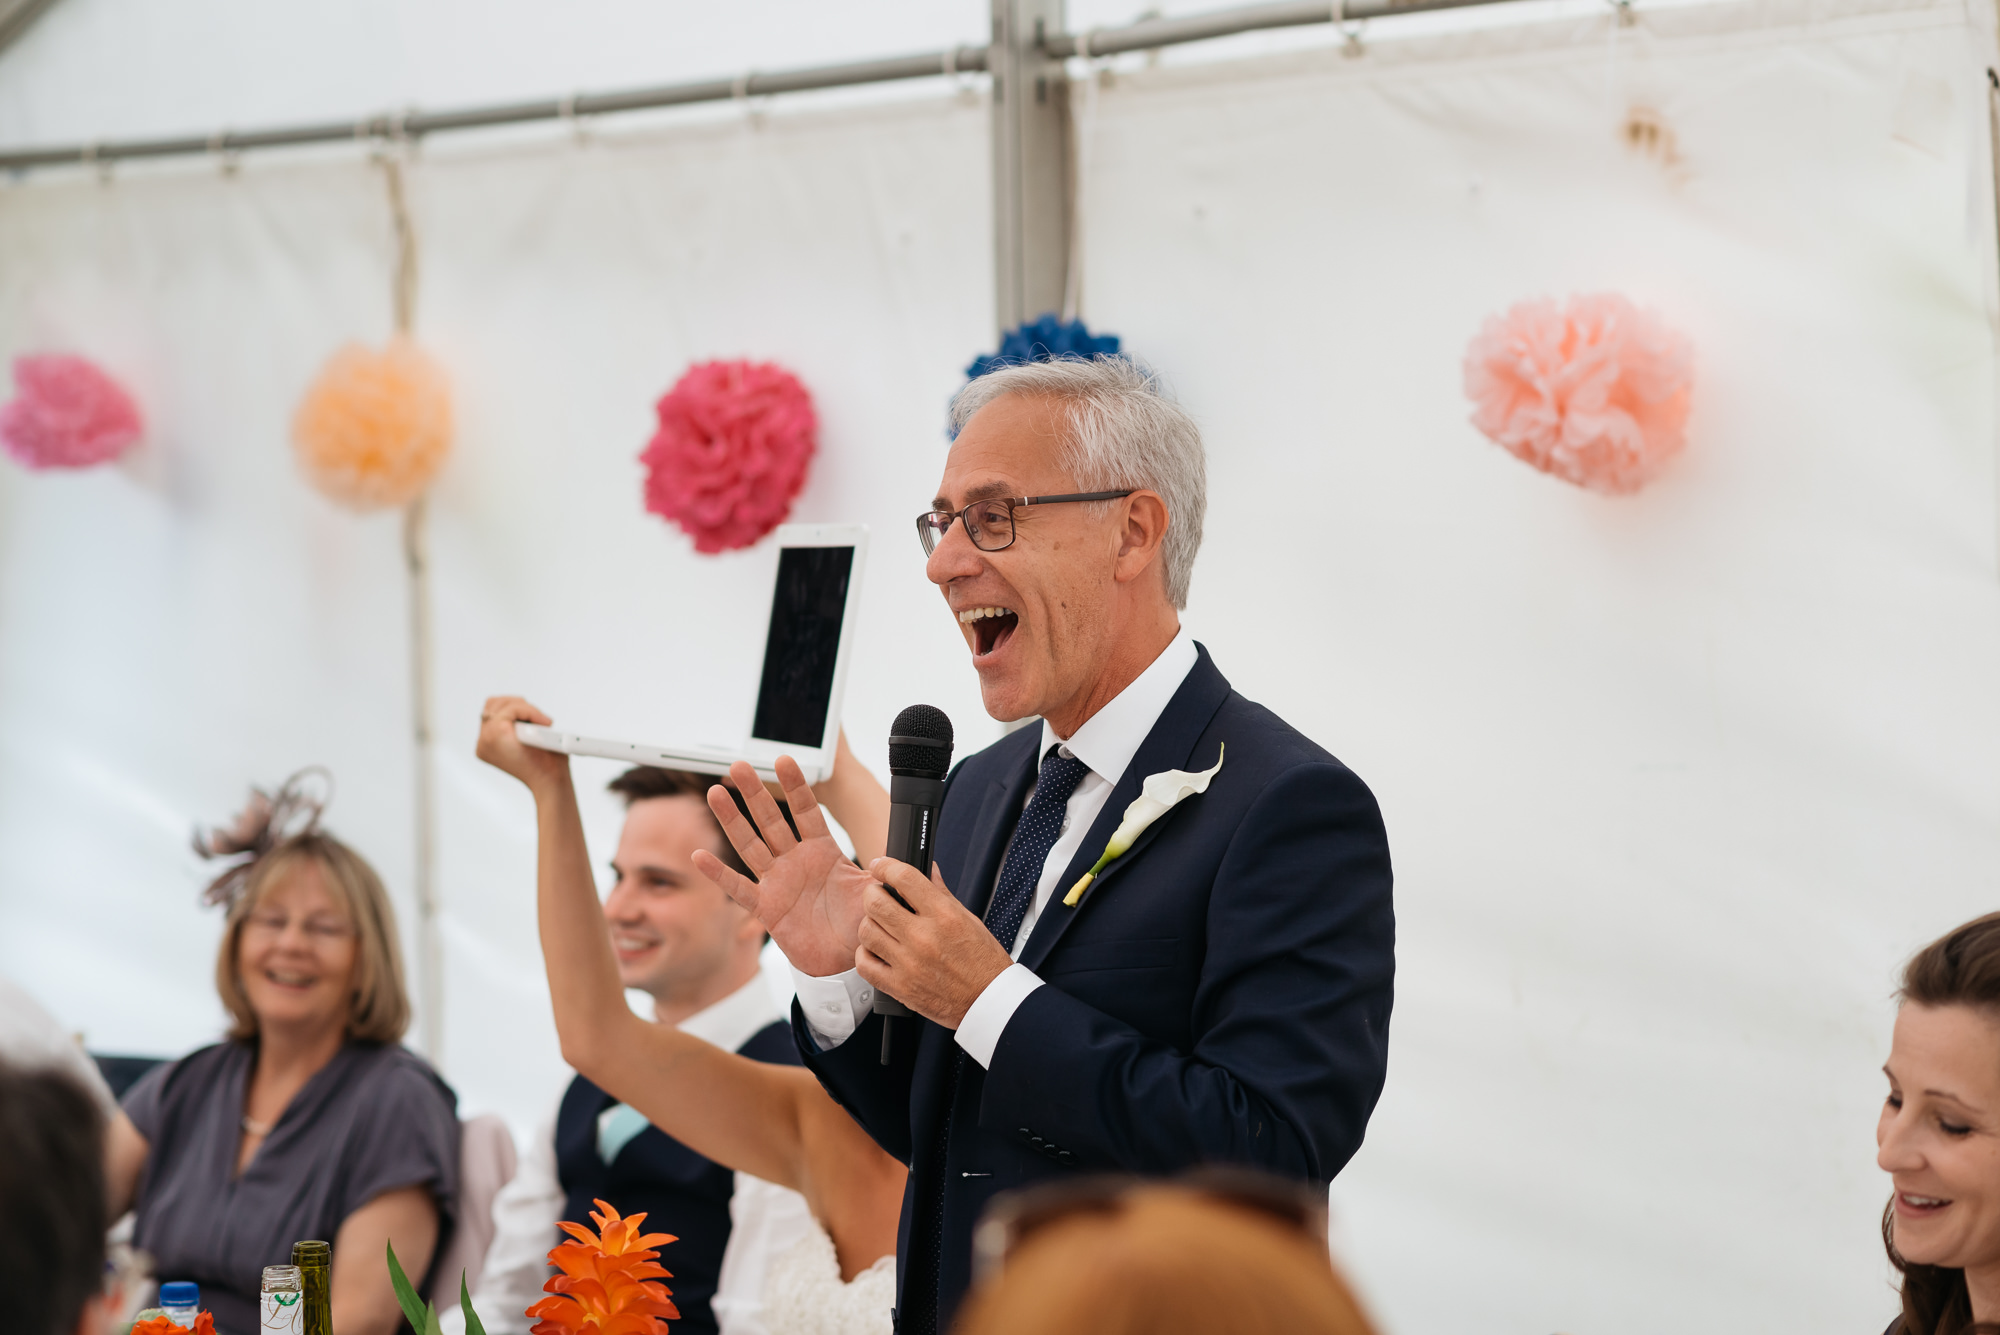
(1162, 1260)
(379, 1006)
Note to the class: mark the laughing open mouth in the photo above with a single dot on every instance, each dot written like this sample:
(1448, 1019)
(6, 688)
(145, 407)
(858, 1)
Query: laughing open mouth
(990, 627)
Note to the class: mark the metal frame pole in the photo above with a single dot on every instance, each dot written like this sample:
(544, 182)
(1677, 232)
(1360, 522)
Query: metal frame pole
(1031, 161)
(1031, 58)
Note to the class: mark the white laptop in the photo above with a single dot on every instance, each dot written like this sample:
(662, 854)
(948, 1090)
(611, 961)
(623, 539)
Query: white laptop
(806, 650)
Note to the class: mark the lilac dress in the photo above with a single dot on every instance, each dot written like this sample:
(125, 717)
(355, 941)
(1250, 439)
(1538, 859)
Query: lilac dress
(373, 1119)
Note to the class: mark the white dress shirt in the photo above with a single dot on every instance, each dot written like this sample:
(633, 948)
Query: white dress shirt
(766, 1220)
(835, 1006)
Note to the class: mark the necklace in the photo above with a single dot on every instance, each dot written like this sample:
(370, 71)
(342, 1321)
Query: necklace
(257, 1128)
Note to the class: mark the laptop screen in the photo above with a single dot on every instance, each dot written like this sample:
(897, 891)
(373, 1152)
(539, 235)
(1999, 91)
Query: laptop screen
(804, 645)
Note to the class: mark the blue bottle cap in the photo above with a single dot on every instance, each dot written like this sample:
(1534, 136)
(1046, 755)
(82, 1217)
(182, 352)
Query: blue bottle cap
(180, 1293)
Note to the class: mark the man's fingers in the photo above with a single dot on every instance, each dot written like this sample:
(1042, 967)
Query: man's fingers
(733, 882)
(881, 913)
(806, 813)
(742, 837)
(872, 967)
(915, 887)
(770, 820)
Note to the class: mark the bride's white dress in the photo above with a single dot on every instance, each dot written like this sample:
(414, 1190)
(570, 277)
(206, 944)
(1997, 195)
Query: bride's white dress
(781, 1277)
(804, 1295)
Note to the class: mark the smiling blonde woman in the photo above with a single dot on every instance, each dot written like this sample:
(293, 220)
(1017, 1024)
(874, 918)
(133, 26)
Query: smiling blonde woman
(309, 1120)
(1939, 1135)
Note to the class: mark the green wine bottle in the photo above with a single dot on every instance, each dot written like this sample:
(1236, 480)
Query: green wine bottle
(315, 1263)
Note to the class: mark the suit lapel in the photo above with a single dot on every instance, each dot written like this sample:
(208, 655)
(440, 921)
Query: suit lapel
(999, 809)
(1170, 745)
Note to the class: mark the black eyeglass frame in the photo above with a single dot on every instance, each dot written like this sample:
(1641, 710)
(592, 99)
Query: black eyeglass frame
(930, 535)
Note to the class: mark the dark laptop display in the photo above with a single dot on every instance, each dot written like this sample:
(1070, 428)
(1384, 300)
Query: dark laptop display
(803, 647)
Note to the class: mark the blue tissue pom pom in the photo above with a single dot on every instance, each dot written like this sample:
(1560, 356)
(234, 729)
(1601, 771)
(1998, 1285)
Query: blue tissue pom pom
(1043, 340)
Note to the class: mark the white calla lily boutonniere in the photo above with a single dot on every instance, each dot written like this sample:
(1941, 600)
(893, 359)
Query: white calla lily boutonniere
(1160, 794)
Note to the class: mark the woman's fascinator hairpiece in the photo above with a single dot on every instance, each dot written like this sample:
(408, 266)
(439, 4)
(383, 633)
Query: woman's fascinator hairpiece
(266, 821)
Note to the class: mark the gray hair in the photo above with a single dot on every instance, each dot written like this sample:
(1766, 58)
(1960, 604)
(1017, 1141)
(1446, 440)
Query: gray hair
(1125, 430)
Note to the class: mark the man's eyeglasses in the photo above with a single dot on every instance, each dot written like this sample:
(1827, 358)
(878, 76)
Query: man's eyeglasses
(990, 523)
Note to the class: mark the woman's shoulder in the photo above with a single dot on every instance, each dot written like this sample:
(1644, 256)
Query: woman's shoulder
(397, 1121)
(390, 1071)
(192, 1072)
(162, 1092)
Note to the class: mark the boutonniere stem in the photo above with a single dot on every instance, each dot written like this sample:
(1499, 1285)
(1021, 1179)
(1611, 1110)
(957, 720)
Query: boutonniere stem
(1160, 794)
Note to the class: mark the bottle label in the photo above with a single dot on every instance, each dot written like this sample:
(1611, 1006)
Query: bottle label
(283, 1314)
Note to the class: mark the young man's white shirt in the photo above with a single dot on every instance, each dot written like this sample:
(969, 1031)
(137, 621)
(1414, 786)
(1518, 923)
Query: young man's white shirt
(765, 1220)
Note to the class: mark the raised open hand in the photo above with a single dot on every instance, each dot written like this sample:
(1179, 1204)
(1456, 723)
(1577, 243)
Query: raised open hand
(807, 893)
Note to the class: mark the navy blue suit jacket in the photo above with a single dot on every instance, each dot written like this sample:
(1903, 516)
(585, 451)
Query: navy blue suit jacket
(1221, 995)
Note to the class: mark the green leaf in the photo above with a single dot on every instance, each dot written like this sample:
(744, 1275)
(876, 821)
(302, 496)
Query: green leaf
(431, 1321)
(472, 1323)
(414, 1308)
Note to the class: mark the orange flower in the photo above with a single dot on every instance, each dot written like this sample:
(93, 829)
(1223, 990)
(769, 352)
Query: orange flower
(204, 1324)
(607, 1285)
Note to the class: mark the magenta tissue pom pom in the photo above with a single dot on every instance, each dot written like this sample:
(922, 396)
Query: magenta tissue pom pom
(731, 453)
(1595, 392)
(66, 414)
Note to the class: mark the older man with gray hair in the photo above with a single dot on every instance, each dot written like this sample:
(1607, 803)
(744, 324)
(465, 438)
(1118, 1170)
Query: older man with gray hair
(1219, 990)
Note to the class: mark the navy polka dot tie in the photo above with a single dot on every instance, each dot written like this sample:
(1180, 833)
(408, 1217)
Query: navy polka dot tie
(1039, 828)
(1041, 825)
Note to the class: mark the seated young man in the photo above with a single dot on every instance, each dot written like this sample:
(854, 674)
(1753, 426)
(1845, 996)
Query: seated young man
(681, 940)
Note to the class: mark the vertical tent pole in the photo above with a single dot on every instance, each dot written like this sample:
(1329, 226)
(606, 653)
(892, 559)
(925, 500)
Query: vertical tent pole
(416, 563)
(1031, 161)
(430, 949)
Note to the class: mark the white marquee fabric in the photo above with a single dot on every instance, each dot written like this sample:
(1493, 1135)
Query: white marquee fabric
(1674, 782)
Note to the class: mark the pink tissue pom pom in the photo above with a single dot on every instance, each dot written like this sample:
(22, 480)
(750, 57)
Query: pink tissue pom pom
(1595, 392)
(67, 414)
(731, 453)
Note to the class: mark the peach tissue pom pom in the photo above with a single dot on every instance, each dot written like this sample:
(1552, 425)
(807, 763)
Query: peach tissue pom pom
(67, 414)
(731, 452)
(375, 427)
(1595, 392)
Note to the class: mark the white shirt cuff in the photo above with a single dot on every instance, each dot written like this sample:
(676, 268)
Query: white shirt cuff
(979, 1032)
(835, 1006)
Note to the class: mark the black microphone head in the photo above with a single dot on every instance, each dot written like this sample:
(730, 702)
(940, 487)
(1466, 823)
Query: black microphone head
(920, 742)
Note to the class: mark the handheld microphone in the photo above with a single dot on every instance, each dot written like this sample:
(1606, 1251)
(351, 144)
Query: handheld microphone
(920, 743)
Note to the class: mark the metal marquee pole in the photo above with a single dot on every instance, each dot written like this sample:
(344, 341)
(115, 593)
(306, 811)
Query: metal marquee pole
(1032, 47)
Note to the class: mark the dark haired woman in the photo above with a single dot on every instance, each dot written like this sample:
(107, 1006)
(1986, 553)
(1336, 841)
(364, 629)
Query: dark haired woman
(310, 1120)
(1939, 1135)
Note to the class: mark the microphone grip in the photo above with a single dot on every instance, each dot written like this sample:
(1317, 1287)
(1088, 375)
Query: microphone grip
(913, 809)
(888, 1008)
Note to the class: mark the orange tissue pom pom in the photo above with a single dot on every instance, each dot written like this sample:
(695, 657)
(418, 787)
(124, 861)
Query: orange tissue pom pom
(608, 1284)
(375, 427)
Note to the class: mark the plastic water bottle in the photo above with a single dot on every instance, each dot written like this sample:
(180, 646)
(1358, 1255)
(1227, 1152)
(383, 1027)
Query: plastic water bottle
(180, 1300)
